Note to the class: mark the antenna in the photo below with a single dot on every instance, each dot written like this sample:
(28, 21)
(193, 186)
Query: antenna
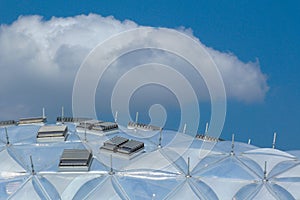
(32, 167)
(136, 117)
(116, 116)
(85, 131)
(274, 140)
(111, 171)
(232, 145)
(43, 111)
(249, 141)
(188, 175)
(62, 115)
(7, 139)
(206, 128)
(184, 128)
(159, 139)
(265, 172)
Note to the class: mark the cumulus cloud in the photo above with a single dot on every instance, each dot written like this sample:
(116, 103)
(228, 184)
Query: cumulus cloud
(39, 60)
(243, 81)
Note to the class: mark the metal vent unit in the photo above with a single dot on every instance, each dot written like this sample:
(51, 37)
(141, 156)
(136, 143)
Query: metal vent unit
(7, 123)
(75, 160)
(71, 119)
(131, 146)
(95, 126)
(32, 120)
(88, 124)
(105, 126)
(207, 138)
(123, 146)
(52, 133)
(143, 127)
(114, 143)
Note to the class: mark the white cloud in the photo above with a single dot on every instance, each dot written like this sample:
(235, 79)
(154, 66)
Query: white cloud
(243, 81)
(39, 60)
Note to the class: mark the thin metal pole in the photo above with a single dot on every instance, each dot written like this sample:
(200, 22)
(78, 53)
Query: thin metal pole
(274, 140)
(32, 167)
(7, 139)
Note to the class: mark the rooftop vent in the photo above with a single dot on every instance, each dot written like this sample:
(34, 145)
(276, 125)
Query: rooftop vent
(75, 160)
(52, 133)
(131, 146)
(105, 126)
(32, 120)
(144, 127)
(207, 138)
(7, 123)
(70, 119)
(122, 146)
(95, 126)
(114, 143)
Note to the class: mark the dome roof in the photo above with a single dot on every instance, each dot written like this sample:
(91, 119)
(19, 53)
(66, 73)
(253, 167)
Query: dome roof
(169, 165)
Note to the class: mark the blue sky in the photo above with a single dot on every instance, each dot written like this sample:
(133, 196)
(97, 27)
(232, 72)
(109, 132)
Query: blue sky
(267, 31)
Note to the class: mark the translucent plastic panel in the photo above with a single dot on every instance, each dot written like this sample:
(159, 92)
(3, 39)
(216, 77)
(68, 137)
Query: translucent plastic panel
(284, 167)
(73, 137)
(194, 155)
(208, 161)
(147, 188)
(181, 139)
(292, 187)
(67, 184)
(176, 160)
(101, 188)
(99, 166)
(44, 188)
(201, 189)
(44, 156)
(248, 191)
(20, 134)
(265, 193)
(225, 188)
(118, 162)
(229, 168)
(280, 192)
(271, 156)
(225, 147)
(192, 189)
(9, 186)
(26, 191)
(292, 172)
(264, 190)
(251, 165)
(154, 161)
(32, 187)
(295, 153)
(8, 164)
